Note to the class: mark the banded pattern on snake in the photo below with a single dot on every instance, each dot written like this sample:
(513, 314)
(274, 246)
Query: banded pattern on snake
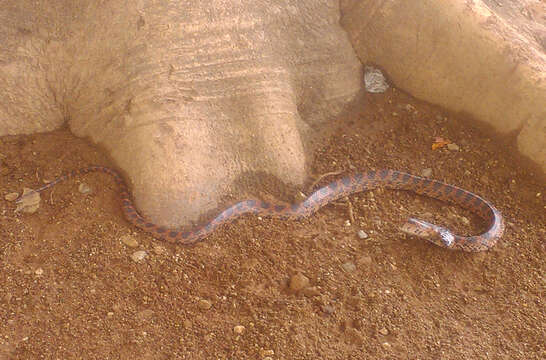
(337, 189)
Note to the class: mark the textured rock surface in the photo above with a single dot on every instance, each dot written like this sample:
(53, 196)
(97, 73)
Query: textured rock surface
(189, 98)
(477, 57)
(185, 97)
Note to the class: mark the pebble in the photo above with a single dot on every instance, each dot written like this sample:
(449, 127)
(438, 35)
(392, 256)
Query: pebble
(204, 304)
(453, 147)
(298, 282)
(362, 234)
(328, 309)
(239, 329)
(347, 223)
(11, 196)
(83, 188)
(426, 172)
(30, 201)
(138, 256)
(386, 345)
(267, 352)
(349, 266)
(384, 331)
(129, 240)
(311, 291)
(39, 271)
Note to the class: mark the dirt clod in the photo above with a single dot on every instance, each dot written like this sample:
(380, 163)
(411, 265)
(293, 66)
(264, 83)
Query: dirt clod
(130, 241)
(298, 282)
(204, 304)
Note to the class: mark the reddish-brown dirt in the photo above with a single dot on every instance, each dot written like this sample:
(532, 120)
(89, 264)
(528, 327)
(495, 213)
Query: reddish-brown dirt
(69, 287)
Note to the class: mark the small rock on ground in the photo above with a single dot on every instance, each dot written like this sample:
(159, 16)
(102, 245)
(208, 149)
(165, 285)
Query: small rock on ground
(30, 201)
(129, 240)
(239, 329)
(138, 256)
(204, 304)
(348, 266)
(426, 172)
(298, 282)
(83, 188)
(267, 353)
(362, 234)
(328, 309)
(11, 196)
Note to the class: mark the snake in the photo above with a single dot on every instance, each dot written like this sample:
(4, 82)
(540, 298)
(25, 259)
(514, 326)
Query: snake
(340, 188)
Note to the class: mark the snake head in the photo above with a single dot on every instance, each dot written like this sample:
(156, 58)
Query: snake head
(433, 233)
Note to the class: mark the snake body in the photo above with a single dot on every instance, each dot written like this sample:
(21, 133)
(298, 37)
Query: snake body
(337, 189)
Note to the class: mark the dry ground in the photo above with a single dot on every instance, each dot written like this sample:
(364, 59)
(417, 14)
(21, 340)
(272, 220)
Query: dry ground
(70, 289)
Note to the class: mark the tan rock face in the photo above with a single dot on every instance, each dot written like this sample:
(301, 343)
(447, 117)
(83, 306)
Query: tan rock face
(468, 56)
(186, 98)
(189, 99)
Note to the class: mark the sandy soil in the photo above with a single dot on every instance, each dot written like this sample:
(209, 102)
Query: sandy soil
(69, 287)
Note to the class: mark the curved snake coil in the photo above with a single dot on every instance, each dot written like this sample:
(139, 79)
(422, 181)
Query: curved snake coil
(359, 182)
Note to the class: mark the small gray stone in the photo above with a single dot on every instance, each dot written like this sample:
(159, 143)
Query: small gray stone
(453, 147)
(362, 234)
(349, 267)
(384, 331)
(426, 172)
(138, 256)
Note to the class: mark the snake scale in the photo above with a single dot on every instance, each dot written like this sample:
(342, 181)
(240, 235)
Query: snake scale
(337, 189)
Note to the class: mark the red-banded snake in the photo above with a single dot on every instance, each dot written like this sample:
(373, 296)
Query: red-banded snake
(337, 189)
